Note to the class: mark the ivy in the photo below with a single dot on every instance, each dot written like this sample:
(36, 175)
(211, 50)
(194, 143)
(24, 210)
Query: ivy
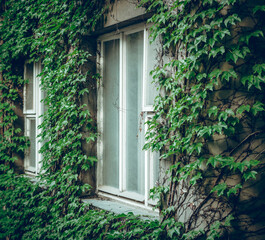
(211, 94)
(50, 32)
(212, 91)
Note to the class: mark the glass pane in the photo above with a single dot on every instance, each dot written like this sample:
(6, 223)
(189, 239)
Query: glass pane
(155, 162)
(151, 91)
(134, 73)
(43, 92)
(32, 138)
(29, 86)
(111, 113)
(44, 107)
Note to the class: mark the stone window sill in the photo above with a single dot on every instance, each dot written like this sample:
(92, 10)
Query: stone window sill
(119, 208)
(113, 206)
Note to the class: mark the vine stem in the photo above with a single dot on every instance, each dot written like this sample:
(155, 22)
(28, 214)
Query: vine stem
(244, 140)
(205, 200)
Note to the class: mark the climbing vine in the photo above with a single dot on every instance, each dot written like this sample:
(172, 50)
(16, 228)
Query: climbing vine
(50, 32)
(208, 123)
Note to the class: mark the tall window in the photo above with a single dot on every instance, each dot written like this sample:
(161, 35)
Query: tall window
(126, 96)
(33, 109)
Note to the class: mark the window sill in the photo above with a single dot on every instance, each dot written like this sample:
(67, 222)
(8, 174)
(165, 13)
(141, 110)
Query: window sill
(114, 206)
(129, 195)
(119, 208)
(31, 176)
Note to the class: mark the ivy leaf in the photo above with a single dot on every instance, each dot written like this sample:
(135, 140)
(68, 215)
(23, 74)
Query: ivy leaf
(249, 164)
(220, 188)
(207, 2)
(172, 167)
(194, 179)
(195, 147)
(212, 42)
(232, 19)
(226, 161)
(259, 68)
(215, 73)
(171, 232)
(223, 116)
(240, 166)
(229, 74)
(205, 131)
(248, 175)
(92, 160)
(245, 79)
(228, 220)
(214, 52)
(201, 76)
(259, 8)
(219, 127)
(216, 22)
(221, 34)
(242, 109)
(246, 38)
(234, 190)
(230, 112)
(253, 162)
(209, 86)
(213, 161)
(213, 110)
(234, 55)
(256, 81)
(257, 107)
(245, 50)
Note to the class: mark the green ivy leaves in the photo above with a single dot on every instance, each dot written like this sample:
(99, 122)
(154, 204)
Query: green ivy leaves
(211, 91)
(49, 32)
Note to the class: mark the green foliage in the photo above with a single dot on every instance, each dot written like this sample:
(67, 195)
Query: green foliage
(50, 32)
(207, 57)
(50, 208)
(29, 216)
(211, 88)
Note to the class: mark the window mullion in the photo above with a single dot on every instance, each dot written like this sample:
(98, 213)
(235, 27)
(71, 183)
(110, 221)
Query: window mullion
(144, 70)
(38, 114)
(34, 88)
(24, 91)
(36, 107)
(122, 117)
(27, 133)
(100, 116)
(146, 153)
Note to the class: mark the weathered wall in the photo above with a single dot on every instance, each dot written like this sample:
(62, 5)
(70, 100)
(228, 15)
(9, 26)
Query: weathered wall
(196, 206)
(122, 10)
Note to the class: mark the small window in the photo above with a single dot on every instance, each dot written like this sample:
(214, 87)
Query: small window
(33, 108)
(125, 102)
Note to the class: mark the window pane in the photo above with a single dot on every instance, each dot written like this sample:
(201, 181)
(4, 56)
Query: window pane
(111, 113)
(44, 107)
(155, 168)
(32, 138)
(151, 91)
(43, 92)
(134, 73)
(29, 86)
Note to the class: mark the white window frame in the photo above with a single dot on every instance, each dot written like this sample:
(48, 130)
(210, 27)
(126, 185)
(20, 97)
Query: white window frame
(33, 114)
(147, 110)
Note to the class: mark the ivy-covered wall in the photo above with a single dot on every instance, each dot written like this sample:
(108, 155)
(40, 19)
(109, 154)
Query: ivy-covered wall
(208, 123)
(209, 120)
